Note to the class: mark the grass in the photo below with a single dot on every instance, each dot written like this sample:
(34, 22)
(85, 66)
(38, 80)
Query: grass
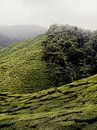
(22, 71)
(21, 64)
(69, 107)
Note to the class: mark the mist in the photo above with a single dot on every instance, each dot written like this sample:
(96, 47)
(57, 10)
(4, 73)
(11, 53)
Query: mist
(82, 13)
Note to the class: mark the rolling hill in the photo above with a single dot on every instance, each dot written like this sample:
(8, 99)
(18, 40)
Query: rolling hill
(63, 55)
(22, 67)
(37, 88)
(70, 107)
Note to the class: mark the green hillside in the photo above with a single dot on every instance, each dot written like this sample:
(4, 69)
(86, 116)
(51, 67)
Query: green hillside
(70, 107)
(31, 73)
(22, 67)
(63, 55)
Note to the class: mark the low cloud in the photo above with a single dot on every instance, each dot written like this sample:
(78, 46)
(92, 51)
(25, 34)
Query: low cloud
(81, 13)
(39, 2)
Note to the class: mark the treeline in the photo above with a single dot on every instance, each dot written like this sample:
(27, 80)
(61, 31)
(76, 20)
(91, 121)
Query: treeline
(70, 53)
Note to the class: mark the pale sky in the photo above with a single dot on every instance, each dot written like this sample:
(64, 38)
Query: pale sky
(82, 13)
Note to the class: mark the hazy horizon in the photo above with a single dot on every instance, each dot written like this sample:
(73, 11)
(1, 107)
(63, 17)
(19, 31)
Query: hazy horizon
(81, 13)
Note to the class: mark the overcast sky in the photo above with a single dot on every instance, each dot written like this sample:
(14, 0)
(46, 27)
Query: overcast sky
(81, 13)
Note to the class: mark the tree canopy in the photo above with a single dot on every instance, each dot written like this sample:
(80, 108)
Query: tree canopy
(70, 53)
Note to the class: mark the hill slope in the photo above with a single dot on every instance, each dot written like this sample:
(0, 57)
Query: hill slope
(70, 107)
(64, 54)
(21, 65)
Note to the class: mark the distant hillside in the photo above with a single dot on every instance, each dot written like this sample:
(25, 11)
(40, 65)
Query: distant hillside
(70, 107)
(22, 66)
(12, 34)
(4, 40)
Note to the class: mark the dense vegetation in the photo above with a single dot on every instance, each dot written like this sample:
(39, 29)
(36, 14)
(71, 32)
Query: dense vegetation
(29, 68)
(62, 55)
(70, 53)
(70, 107)
(22, 66)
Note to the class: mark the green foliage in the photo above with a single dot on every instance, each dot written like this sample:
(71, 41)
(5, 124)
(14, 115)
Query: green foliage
(22, 66)
(70, 53)
(69, 107)
(61, 56)
(65, 54)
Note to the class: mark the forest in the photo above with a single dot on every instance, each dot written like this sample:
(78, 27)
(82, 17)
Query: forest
(70, 53)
